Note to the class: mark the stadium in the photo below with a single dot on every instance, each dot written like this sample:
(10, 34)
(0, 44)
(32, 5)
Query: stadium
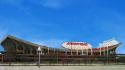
(18, 50)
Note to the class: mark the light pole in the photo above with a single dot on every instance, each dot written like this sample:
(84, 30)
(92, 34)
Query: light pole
(39, 52)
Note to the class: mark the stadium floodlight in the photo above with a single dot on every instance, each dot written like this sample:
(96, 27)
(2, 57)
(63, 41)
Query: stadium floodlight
(39, 52)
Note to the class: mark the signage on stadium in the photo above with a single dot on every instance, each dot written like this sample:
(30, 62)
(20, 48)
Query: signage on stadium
(77, 43)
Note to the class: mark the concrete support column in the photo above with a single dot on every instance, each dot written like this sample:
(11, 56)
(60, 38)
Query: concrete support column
(87, 51)
(100, 51)
(107, 50)
(23, 49)
(65, 52)
(2, 57)
(30, 50)
(71, 49)
(104, 51)
(54, 51)
(42, 51)
(82, 51)
(71, 52)
(48, 50)
(91, 51)
(77, 52)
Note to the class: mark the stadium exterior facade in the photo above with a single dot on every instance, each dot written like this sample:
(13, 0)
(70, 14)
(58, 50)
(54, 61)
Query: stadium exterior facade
(18, 50)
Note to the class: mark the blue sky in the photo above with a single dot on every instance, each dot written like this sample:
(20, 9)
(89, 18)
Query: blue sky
(51, 22)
